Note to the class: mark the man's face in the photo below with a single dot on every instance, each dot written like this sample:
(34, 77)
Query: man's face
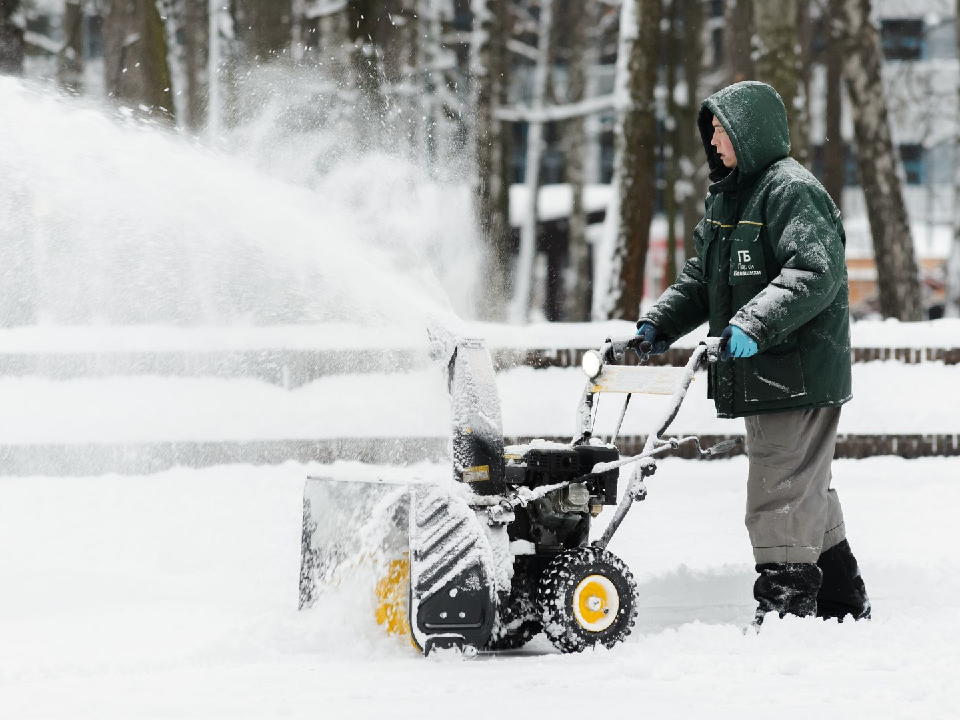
(721, 141)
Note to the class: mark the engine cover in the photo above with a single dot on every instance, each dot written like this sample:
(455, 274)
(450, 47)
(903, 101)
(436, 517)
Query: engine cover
(548, 466)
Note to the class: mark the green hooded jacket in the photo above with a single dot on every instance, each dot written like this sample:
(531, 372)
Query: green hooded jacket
(770, 259)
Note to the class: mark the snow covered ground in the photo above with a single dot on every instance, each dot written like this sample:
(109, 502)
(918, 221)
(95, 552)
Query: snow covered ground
(174, 596)
(889, 397)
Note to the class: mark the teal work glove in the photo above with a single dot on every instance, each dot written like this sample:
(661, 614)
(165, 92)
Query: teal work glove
(647, 332)
(738, 344)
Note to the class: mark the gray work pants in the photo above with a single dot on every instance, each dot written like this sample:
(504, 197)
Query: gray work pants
(792, 514)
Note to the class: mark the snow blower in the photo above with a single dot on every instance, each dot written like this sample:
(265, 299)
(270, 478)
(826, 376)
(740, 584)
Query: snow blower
(502, 552)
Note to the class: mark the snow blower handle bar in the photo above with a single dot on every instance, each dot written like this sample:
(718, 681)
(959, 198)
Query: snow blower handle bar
(612, 352)
(708, 351)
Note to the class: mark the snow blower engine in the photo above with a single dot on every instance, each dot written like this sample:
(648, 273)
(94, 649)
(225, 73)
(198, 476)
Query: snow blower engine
(502, 552)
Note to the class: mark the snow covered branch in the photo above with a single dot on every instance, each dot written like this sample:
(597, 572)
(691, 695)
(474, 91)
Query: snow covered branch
(552, 113)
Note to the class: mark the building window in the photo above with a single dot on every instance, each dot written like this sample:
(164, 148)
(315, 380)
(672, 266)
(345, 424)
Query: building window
(607, 155)
(902, 39)
(551, 160)
(913, 158)
(716, 46)
(849, 164)
(914, 166)
(462, 16)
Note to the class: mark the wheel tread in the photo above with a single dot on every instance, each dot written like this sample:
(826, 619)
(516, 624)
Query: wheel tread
(556, 589)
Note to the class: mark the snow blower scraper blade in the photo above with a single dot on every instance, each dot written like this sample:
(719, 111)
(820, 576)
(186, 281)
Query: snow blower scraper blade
(416, 550)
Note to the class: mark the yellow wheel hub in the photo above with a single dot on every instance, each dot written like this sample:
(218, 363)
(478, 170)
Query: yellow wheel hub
(596, 603)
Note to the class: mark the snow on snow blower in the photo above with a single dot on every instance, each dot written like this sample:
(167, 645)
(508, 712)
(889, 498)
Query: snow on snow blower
(502, 553)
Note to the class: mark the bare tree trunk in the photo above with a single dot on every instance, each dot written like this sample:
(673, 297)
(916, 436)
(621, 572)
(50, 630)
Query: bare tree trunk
(334, 40)
(264, 27)
(429, 21)
(737, 39)
(636, 157)
(671, 145)
(953, 263)
(805, 36)
(503, 132)
(365, 61)
(490, 75)
(834, 148)
(12, 46)
(880, 174)
(215, 83)
(776, 62)
(70, 61)
(171, 13)
(578, 287)
(691, 147)
(196, 33)
(135, 57)
(528, 230)
(298, 29)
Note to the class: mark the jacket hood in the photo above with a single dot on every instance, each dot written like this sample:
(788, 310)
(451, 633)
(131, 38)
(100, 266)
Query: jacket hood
(755, 118)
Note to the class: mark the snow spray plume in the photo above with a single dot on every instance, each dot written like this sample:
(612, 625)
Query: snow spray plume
(117, 221)
(405, 174)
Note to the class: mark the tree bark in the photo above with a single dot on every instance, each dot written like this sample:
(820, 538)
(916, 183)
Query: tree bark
(12, 47)
(215, 74)
(877, 159)
(70, 60)
(578, 288)
(365, 62)
(135, 57)
(196, 33)
(430, 111)
(636, 151)
(776, 62)
(737, 39)
(264, 27)
(834, 148)
(171, 13)
(490, 77)
(671, 144)
(528, 230)
(805, 37)
(298, 29)
(691, 147)
(333, 46)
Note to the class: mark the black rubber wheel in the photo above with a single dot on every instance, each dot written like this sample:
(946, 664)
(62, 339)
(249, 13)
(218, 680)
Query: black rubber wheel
(517, 623)
(587, 597)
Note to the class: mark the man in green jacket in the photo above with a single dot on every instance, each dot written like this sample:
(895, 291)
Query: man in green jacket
(770, 276)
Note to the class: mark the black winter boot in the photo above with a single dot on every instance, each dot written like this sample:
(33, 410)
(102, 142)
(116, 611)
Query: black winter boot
(842, 591)
(786, 589)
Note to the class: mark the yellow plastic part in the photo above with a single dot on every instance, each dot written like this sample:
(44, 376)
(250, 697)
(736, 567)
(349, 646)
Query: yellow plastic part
(596, 603)
(592, 590)
(392, 592)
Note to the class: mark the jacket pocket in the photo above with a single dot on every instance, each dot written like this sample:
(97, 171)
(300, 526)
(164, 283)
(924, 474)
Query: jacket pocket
(746, 255)
(707, 249)
(776, 374)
